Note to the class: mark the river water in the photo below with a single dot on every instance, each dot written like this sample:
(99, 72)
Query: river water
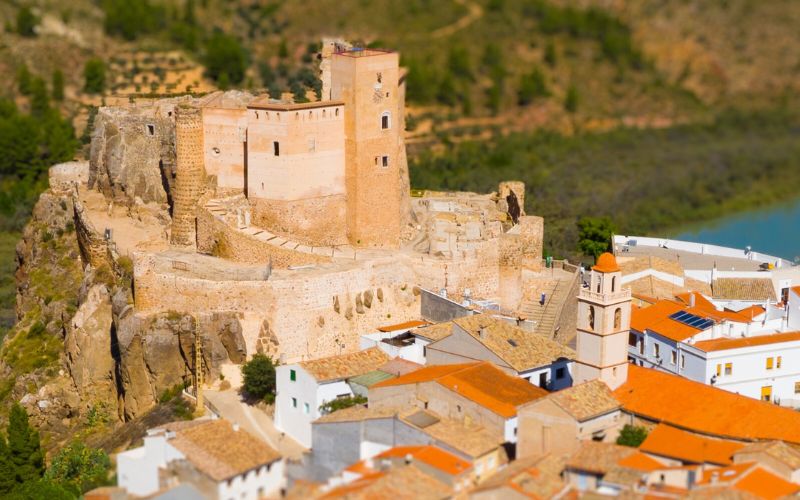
(773, 230)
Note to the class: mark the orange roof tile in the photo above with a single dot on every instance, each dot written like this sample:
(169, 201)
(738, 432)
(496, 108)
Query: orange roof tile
(681, 402)
(482, 383)
(766, 485)
(345, 365)
(641, 462)
(431, 455)
(606, 263)
(656, 319)
(724, 344)
(667, 441)
(796, 289)
(403, 326)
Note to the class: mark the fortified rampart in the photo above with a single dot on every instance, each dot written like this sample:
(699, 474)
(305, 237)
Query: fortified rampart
(189, 173)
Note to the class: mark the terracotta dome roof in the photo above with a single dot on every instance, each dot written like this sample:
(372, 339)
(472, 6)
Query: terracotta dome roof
(606, 263)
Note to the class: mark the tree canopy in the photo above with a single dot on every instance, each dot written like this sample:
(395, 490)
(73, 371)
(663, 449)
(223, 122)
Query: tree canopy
(259, 378)
(594, 235)
(225, 56)
(632, 435)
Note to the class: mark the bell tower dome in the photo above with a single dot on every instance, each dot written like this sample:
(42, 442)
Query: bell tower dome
(604, 319)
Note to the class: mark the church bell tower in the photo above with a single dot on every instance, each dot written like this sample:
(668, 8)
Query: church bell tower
(604, 321)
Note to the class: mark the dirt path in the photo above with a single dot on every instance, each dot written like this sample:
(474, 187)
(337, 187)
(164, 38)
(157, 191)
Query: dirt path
(474, 12)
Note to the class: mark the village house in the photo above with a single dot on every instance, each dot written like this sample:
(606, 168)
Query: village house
(216, 457)
(675, 447)
(525, 478)
(559, 422)
(302, 388)
(775, 456)
(358, 433)
(474, 392)
(481, 337)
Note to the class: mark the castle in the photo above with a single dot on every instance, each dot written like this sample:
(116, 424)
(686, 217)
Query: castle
(298, 217)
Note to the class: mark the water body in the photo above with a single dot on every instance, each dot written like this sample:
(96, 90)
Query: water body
(773, 230)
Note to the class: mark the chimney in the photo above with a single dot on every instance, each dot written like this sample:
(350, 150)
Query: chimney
(409, 458)
(236, 426)
(482, 332)
(691, 299)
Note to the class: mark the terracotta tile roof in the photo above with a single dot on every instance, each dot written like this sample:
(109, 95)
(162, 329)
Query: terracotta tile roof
(656, 318)
(606, 263)
(597, 457)
(399, 366)
(723, 344)
(403, 326)
(667, 441)
(759, 289)
(430, 455)
(356, 413)
(470, 439)
(434, 332)
(537, 477)
(632, 265)
(683, 403)
(521, 350)
(778, 450)
(345, 365)
(394, 484)
(221, 452)
(749, 478)
(587, 400)
(641, 462)
(651, 289)
(483, 383)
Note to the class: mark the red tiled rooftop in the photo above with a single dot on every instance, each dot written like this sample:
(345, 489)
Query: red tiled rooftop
(724, 344)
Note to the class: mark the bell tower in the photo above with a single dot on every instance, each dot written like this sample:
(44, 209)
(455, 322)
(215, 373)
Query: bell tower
(368, 82)
(604, 321)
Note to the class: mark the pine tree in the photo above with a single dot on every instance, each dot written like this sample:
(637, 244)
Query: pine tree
(7, 477)
(24, 79)
(58, 85)
(24, 447)
(40, 101)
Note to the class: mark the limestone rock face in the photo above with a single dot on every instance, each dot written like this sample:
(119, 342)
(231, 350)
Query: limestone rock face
(132, 155)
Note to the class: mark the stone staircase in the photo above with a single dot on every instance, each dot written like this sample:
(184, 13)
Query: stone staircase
(337, 252)
(546, 315)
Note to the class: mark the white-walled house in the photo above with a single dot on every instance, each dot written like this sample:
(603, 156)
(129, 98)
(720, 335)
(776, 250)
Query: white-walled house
(217, 458)
(302, 388)
(397, 341)
(746, 351)
(481, 337)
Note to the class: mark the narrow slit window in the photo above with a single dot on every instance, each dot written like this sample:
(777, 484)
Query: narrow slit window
(276, 148)
(385, 121)
(384, 161)
(151, 130)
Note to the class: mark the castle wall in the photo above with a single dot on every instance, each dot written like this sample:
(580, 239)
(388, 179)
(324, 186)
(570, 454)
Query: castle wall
(190, 175)
(312, 221)
(224, 135)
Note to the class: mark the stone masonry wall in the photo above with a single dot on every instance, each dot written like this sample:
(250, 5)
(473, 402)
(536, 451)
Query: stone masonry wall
(190, 175)
(317, 221)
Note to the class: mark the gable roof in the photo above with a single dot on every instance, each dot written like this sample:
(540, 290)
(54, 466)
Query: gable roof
(750, 289)
(537, 477)
(778, 450)
(482, 383)
(519, 349)
(687, 404)
(587, 400)
(667, 441)
(598, 457)
(723, 344)
(470, 439)
(221, 452)
(641, 462)
(434, 332)
(430, 455)
(749, 478)
(345, 365)
(397, 482)
(656, 319)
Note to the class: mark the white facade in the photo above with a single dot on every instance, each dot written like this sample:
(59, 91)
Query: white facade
(552, 377)
(298, 398)
(138, 472)
(414, 350)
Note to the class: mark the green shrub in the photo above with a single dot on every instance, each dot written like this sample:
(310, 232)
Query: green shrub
(259, 378)
(94, 75)
(632, 435)
(341, 403)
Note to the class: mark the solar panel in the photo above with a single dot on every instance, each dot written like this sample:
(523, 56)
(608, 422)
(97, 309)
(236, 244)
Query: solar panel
(692, 320)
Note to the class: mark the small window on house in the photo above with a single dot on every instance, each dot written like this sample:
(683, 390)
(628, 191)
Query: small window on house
(683, 361)
(292, 375)
(728, 368)
(385, 120)
(458, 407)
(632, 339)
(560, 373)
(657, 350)
(276, 148)
(151, 130)
(617, 318)
(778, 362)
(294, 402)
(797, 387)
(673, 357)
(719, 370)
(769, 363)
(641, 347)
(384, 161)
(306, 408)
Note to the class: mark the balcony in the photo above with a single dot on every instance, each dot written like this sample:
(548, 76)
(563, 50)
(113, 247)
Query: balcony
(605, 298)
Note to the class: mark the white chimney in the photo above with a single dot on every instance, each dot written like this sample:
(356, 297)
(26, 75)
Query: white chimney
(691, 299)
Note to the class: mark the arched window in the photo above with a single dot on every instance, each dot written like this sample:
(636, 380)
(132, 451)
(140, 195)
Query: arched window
(613, 283)
(337, 111)
(386, 119)
(591, 317)
(617, 318)
(599, 282)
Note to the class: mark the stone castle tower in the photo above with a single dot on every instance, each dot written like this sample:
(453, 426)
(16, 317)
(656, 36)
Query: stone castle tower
(189, 173)
(368, 82)
(604, 319)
